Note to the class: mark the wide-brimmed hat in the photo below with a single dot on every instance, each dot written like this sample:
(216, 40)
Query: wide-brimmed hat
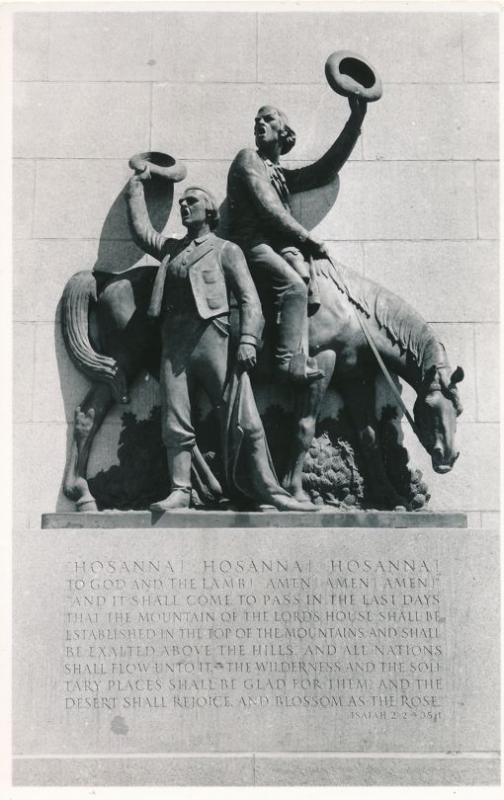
(350, 74)
(159, 164)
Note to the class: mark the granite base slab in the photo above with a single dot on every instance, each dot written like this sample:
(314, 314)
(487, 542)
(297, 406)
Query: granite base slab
(260, 769)
(302, 656)
(255, 519)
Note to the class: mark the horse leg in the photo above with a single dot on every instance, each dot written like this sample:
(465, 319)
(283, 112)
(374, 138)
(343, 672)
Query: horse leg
(130, 353)
(306, 410)
(359, 398)
(88, 419)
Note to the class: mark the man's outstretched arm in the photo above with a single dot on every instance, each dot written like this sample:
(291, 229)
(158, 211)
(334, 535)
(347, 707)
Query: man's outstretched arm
(327, 167)
(142, 231)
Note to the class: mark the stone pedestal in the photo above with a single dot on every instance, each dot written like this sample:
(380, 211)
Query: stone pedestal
(316, 655)
(326, 518)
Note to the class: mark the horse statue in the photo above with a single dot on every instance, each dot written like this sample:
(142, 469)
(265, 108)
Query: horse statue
(111, 339)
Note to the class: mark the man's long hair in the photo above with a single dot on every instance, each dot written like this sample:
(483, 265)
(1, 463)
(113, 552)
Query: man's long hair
(287, 135)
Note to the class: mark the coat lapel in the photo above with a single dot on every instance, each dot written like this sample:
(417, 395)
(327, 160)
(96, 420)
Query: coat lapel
(154, 309)
(199, 252)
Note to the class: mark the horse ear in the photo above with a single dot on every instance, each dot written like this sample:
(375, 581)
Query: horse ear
(457, 376)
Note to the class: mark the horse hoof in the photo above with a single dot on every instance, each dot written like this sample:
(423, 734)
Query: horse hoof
(297, 494)
(302, 497)
(86, 505)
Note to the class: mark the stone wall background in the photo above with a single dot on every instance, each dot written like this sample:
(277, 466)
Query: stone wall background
(417, 208)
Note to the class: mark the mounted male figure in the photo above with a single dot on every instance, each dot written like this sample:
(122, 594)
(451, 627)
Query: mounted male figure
(277, 247)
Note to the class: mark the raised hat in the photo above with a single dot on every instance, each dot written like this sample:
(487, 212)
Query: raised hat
(159, 164)
(350, 74)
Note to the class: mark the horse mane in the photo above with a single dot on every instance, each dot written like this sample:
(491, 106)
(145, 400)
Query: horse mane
(349, 283)
(403, 325)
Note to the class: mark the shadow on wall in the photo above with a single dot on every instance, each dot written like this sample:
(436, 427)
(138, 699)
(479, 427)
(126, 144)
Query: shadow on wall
(311, 207)
(116, 250)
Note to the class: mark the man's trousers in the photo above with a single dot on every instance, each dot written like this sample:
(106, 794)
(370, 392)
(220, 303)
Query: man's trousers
(194, 352)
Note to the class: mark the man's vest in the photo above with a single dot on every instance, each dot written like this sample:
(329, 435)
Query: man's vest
(206, 276)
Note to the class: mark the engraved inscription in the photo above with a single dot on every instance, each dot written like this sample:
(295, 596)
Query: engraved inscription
(360, 638)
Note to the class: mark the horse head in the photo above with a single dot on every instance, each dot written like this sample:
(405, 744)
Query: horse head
(436, 410)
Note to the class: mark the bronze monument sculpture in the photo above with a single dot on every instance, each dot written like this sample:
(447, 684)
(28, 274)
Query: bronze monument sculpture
(327, 324)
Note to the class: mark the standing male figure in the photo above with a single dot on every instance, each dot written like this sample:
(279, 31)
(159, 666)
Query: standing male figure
(276, 245)
(190, 294)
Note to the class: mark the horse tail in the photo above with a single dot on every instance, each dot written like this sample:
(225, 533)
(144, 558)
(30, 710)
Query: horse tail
(78, 293)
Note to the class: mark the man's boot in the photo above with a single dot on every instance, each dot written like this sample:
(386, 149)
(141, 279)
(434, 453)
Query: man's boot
(179, 467)
(291, 362)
